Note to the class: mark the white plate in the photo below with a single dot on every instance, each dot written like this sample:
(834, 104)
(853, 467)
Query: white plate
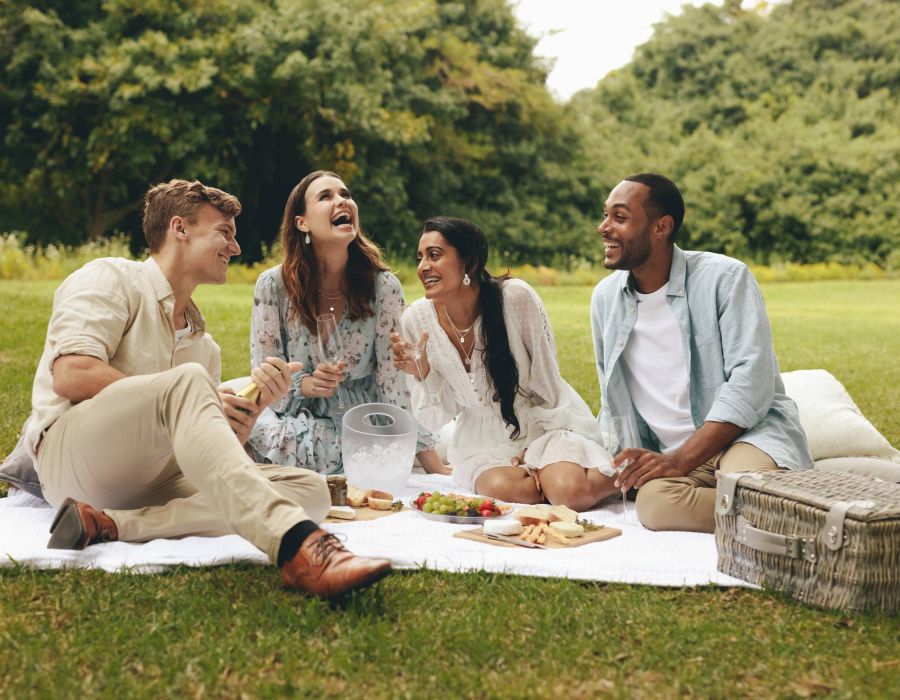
(459, 519)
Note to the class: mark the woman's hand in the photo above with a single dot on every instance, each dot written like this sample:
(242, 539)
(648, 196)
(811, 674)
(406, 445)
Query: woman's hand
(324, 381)
(404, 362)
(273, 378)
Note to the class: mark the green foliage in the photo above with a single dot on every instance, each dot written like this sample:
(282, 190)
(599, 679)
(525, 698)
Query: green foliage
(432, 107)
(778, 122)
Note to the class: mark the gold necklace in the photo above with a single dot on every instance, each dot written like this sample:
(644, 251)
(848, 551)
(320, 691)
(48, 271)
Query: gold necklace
(461, 338)
(330, 299)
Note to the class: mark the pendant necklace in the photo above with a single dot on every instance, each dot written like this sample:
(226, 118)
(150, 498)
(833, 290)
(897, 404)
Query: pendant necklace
(330, 299)
(461, 338)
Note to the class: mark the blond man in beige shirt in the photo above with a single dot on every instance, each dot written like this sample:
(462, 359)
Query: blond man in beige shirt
(130, 436)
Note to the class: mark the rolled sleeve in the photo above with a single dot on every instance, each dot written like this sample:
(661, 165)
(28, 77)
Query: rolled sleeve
(90, 315)
(749, 364)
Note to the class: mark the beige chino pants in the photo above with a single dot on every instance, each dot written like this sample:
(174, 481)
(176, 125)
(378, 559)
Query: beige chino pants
(688, 502)
(156, 453)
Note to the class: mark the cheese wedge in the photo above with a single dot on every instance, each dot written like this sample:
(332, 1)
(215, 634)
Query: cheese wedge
(567, 529)
(506, 526)
(342, 513)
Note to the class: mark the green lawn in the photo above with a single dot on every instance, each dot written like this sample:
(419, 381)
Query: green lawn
(229, 631)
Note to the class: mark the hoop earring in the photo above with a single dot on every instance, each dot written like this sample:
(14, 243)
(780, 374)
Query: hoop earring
(306, 240)
(466, 279)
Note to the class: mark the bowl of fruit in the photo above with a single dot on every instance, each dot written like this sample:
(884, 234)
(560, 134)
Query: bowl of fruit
(455, 508)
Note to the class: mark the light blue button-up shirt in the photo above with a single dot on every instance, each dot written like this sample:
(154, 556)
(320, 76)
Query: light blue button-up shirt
(727, 342)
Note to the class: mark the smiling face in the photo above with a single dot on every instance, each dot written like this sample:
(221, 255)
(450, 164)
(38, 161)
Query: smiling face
(626, 227)
(441, 268)
(331, 215)
(211, 243)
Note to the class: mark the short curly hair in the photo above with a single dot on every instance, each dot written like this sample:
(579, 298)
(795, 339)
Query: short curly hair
(180, 198)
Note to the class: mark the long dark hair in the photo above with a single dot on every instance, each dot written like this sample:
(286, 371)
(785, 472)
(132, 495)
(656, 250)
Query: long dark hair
(301, 273)
(472, 247)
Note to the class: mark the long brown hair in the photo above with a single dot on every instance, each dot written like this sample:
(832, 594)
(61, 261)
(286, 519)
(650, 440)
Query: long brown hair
(301, 273)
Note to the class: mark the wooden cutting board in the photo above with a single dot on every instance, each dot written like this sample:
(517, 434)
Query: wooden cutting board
(604, 533)
(365, 513)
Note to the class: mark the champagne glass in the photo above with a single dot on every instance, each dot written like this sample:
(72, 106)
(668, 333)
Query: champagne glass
(331, 349)
(415, 352)
(619, 433)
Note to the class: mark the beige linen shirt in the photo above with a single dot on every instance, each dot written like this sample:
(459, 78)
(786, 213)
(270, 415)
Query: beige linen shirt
(119, 311)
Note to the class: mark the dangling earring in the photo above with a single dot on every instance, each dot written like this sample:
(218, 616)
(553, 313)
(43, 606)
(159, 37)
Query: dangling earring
(306, 240)
(466, 279)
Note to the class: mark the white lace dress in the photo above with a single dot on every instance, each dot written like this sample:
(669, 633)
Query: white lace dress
(556, 424)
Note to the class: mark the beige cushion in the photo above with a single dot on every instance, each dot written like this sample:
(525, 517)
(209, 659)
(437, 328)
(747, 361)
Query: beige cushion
(834, 425)
(863, 466)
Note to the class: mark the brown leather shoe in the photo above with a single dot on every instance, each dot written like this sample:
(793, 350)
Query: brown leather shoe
(325, 568)
(77, 525)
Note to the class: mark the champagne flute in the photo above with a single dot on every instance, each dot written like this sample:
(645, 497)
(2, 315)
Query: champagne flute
(415, 352)
(331, 349)
(619, 433)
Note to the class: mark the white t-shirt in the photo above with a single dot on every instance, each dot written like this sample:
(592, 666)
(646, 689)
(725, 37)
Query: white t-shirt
(656, 371)
(183, 332)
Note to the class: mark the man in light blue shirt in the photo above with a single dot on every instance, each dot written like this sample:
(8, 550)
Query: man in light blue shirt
(683, 344)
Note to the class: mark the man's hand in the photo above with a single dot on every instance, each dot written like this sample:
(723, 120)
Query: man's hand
(273, 377)
(241, 413)
(324, 381)
(644, 465)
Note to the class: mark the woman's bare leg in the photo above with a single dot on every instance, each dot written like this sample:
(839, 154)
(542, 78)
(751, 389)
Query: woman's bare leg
(513, 484)
(570, 484)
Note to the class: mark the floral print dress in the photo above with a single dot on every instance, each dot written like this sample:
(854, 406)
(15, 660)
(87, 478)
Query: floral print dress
(306, 432)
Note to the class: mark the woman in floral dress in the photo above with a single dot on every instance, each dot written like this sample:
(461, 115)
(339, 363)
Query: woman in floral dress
(329, 266)
(522, 433)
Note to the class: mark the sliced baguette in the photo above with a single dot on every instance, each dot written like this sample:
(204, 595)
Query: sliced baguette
(531, 515)
(562, 514)
(380, 500)
(357, 498)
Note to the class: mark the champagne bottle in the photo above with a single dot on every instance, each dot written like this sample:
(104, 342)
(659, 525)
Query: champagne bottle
(251, 392)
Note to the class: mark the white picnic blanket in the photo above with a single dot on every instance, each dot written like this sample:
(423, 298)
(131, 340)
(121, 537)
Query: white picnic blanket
(407, 539)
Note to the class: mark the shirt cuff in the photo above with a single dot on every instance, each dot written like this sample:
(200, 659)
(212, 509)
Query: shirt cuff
(739, 413)
(77, 346)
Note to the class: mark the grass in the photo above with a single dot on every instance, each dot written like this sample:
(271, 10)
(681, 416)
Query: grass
(231, 631)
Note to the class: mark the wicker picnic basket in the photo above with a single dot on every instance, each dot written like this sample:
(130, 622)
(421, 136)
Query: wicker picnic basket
(830, 539)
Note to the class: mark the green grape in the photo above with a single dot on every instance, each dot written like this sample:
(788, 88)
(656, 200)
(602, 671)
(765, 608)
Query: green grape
(427, 507)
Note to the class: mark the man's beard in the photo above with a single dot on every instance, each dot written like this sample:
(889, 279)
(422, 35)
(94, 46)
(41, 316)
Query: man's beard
(633, 254)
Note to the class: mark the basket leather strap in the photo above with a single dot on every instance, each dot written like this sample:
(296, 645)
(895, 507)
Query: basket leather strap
(773, 543)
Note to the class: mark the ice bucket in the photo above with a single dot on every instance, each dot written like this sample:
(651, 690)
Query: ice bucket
(378, 445)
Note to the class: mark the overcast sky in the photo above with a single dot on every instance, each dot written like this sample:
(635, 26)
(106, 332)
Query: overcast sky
(595, 36)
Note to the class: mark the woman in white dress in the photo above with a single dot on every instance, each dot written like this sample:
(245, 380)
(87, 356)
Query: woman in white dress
(522, 433)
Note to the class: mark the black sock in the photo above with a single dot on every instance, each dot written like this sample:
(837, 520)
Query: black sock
(293, 538)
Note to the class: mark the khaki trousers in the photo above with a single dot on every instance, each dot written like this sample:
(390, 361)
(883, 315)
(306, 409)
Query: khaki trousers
(688, 502)
(156, 453)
